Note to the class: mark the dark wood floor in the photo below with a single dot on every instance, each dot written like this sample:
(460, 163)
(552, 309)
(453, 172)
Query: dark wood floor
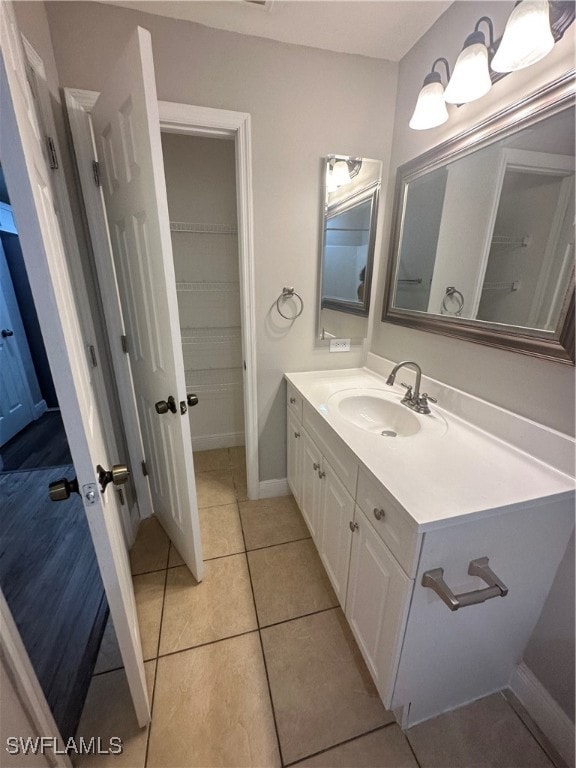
(41, 444)
(51, 581)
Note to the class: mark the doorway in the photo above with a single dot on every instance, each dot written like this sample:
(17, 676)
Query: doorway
(48, 569)
(201, 191)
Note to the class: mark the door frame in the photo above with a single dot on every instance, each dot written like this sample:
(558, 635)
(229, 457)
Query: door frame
(208, 122)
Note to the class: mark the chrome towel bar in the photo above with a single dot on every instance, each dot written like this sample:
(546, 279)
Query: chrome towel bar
(434, 579)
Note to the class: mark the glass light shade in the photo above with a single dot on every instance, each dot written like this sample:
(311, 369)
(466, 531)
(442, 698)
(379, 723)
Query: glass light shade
(340, 174)
(527, 37)
(430, 109)
(471, 78)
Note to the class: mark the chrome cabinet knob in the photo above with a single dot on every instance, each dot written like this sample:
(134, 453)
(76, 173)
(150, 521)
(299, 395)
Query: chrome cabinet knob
(379, 513)
(353, 526)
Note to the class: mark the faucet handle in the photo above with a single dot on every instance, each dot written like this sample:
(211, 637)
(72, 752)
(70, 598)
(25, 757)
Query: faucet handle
(428, 398)
(406, 386)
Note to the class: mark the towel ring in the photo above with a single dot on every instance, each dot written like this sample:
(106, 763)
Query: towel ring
(289, 293)
(455, 294)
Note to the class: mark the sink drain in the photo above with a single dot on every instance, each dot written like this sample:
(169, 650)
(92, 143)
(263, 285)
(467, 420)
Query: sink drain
(389, 433)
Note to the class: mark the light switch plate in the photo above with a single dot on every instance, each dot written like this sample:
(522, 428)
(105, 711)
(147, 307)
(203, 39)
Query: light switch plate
(339, 345)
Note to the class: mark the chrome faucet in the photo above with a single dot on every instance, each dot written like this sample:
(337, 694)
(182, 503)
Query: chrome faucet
(413, 399)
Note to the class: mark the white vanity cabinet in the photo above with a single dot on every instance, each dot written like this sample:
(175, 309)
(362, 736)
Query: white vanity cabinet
(377, 604)
(424, 657)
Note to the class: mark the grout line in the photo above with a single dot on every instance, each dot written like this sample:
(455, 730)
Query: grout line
(203, 645)
(533, 729)
(412, 749)
(341, 744)
(156, 668)
(277, 544)
(262, 647)
(302, 616)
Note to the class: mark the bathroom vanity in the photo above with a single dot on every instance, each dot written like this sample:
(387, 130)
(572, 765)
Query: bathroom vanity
(391, 496)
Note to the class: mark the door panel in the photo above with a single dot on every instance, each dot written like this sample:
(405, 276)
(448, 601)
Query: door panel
(27, 176)
(127, 136)
(15, 398)
(337, 512)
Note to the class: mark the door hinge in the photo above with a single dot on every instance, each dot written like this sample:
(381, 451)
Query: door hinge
(93, 357)
(121, 496)
(52, 156)
(96, 172)
(124, 342)
(144, 469)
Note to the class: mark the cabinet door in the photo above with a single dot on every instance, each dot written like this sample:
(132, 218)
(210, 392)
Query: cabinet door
(377, 604)
(312, 487)
(295, 457)
(336, 516)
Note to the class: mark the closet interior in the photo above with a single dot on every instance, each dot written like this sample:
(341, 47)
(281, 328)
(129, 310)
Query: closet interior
(201, 189)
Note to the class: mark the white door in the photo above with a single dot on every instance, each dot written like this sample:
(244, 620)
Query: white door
(311, 489)
(127, 134)
(16, 409)
(27, 177)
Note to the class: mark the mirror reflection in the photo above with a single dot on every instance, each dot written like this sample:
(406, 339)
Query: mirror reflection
(350, 210)
(489, 236)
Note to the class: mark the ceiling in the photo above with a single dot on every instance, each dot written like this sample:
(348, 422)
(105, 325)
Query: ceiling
(383, 29)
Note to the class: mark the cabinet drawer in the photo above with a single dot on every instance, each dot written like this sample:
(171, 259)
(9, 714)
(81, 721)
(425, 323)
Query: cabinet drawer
(394, 526)
(294, 401)
(343, 461)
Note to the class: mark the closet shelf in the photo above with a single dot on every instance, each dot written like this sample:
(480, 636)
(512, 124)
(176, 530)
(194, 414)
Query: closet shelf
(202, 229)
(211, 335)
(510, 243)
(510, 286)
(205, 287)
(211, 378)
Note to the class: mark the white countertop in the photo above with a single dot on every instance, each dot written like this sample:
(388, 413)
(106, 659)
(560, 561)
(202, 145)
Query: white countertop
(437, 476)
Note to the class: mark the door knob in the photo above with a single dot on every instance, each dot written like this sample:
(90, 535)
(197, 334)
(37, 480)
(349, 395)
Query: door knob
(163, 406)
(60, 490)
(192, 400)
(7, 332)
(117, 475)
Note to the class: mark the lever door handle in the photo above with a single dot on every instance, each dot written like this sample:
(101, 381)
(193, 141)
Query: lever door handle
(163, 406)
(60, 490)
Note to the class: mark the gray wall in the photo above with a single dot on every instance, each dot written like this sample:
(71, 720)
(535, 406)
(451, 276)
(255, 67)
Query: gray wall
(305, 103)
(550, 651)
(538, 389)
(541, 390)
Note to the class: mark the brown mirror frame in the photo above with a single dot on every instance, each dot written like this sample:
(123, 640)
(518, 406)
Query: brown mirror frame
(555, 345)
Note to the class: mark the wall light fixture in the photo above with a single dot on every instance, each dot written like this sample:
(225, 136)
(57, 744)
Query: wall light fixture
(532, 29)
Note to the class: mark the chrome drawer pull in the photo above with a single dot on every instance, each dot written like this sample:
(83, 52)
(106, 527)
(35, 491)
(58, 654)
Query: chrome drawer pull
(379, 513)
(296, 434)
(434, 579)
(292, 400)
(316, 466)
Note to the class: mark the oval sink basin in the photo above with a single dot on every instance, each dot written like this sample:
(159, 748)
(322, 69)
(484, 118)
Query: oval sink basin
(381, 413)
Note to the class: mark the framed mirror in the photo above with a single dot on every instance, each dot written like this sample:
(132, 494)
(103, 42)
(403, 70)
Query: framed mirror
(349, 218)
(482, 245)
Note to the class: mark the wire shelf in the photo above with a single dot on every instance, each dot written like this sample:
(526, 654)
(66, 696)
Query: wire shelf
(211, 335)
(206, 287)
(202, 229)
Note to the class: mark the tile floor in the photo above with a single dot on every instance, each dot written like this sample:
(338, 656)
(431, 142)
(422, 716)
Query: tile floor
(256, 666)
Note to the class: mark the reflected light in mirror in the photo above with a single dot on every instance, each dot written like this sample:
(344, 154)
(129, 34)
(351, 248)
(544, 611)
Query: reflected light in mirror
(527, 37)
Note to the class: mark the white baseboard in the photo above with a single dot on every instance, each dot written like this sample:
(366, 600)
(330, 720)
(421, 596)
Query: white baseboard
(39, 409)
(271, 488)
(209, 442)
(545, 711)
